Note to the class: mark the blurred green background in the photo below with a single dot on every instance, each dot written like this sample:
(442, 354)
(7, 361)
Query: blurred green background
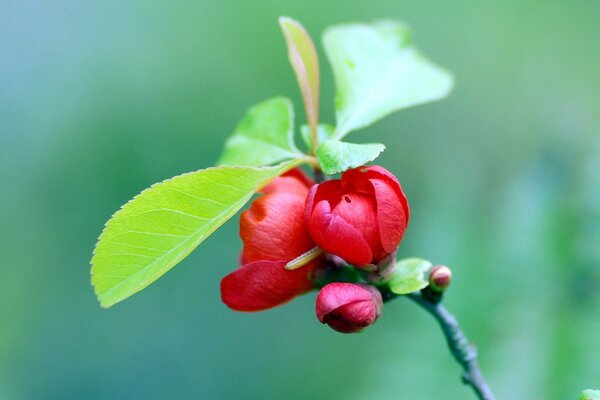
(100, 99)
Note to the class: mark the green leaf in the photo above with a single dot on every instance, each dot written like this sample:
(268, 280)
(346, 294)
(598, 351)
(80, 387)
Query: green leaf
(264, 136)
(304, 60)
(335, 156)
(324, 132)
(378, 71)
(164, 223)
(590, 395)
(410, 275)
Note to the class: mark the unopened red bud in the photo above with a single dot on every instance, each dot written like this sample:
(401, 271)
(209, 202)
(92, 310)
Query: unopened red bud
(440, 278)
(348, 307)
(361, 217)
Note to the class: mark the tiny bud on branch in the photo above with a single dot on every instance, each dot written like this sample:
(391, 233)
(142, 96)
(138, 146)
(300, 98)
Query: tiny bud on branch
(440, 278)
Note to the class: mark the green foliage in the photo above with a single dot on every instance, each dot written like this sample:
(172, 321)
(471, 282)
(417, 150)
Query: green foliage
(335, 156)
(304, 60)
(410, 275)
(378, 71)
(264, 136)
(164, 223)
(324, 132)
(590, 395)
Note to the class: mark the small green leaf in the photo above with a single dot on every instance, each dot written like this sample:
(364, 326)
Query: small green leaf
(590, 395)
(335, 156)
(304, 60)
(324, 132)
(264, 136)
(378, 71)
(164, 223)
(410, 275)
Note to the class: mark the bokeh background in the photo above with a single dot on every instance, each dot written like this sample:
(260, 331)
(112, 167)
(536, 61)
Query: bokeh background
(100, 99)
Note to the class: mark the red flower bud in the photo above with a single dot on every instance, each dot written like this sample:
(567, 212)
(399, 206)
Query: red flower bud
(360, 217)
(440, 278)
(273, 232)
(348, 307)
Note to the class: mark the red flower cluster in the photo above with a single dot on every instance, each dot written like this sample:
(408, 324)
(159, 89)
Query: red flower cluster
(360, 218)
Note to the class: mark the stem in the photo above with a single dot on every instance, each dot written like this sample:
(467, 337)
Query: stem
(463, 351)
(319, 176)
(314, 137)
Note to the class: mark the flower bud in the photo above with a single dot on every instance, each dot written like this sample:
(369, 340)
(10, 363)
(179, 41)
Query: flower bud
(348, 307)
(360, 217)
(440, 278)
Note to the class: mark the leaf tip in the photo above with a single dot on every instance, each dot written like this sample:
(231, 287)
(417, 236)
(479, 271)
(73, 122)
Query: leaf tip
(450, 82)
(103, 305)
(285, 20)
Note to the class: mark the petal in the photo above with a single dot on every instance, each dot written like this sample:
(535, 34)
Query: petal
(308, 204)
(376, 171)
(301, 176)
(293, 181)
(261, 285)
(359, 210)
(273, 228)
(330, 191)
(338, 294)
(363, 313)
(380, 172)
(356, 180)
(334, 235)
(390, 215)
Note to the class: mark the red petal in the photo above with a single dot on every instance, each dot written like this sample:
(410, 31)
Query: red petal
(335, 295)
(273, 228)
(390, 215)
(359, 210)
(301, 176)
(294, 181)
(308, 204)
(334, 235)
(375, 171)
(330, 191)
(261, 285)
(356, 180)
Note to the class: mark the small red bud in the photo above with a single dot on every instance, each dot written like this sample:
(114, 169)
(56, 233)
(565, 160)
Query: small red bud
(348, 307)
(440, 278)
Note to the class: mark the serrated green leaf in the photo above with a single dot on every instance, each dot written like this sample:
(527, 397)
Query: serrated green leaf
(304, 60)
(378, 71)
(264, 136)
(410, 275)
(164, 223)
(324, 132)
(335, 156)
(590, 395)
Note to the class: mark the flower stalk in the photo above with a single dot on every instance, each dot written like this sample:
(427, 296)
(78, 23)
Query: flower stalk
(464, 352)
